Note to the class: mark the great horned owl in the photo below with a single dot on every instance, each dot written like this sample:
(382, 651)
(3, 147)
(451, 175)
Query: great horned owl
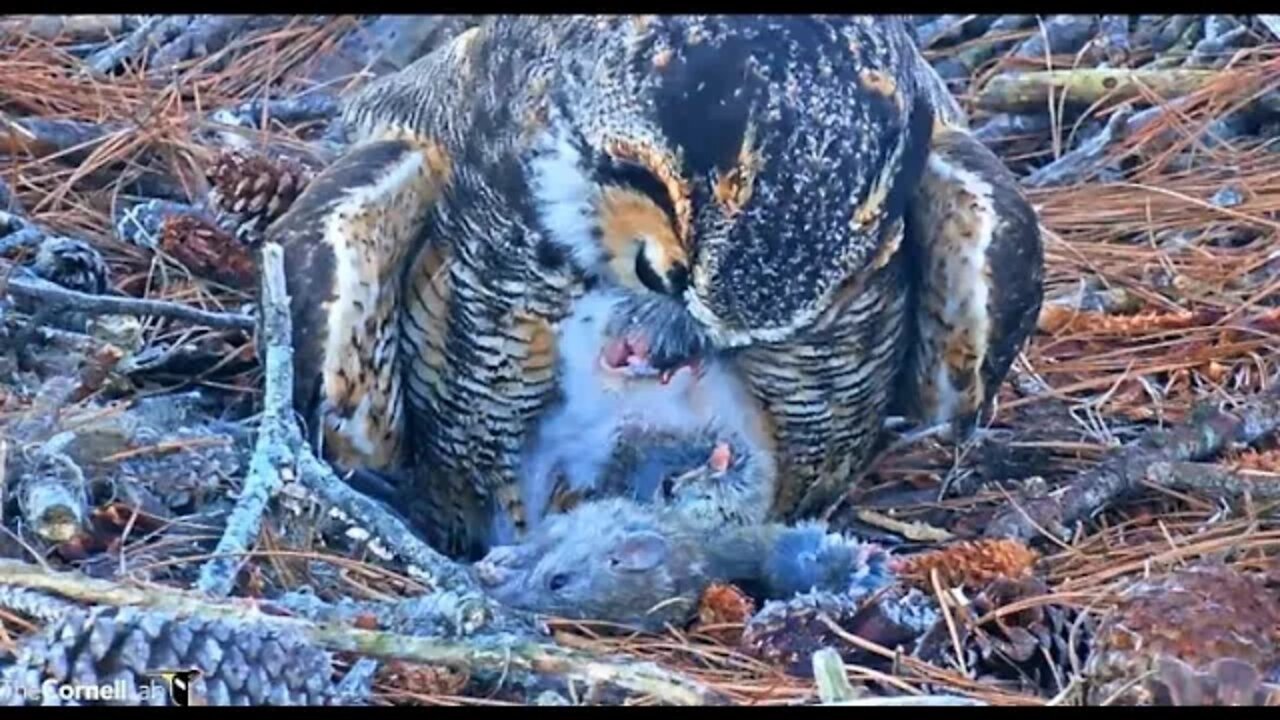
(759, 170)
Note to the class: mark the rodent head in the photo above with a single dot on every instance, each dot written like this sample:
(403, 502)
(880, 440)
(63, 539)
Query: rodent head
(748, 166)
(611, 560)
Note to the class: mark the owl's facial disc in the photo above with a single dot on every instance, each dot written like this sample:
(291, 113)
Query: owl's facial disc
(639, 244)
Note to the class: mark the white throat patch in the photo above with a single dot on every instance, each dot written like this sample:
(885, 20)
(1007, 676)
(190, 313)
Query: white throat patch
(565, 198)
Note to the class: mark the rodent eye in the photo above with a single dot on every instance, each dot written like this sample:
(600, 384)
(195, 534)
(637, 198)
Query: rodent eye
(647, 274)
(558, 581)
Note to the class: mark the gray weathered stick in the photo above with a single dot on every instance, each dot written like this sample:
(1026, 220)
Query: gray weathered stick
(495, 653)
(273, 454)
(391, 530)
(1211, 479)
(281, 441)
(156, 29)
(79, 27)
(1204, 435)
(1270, 22)
(1082, 162)
(58, 297)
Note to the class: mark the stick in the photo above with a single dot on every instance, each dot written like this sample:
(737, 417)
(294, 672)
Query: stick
(157, 28)
(1211, 479)
(1081, 162)
(273, 454)
(288, 110)
(391, 530)
(1175, 32)
(1082, 87)
(42, 136)
(1206, 433)
(1062, 33)
(58, 297)
(966, 61)
(79, 27)
(1212, 51)
(281, 439)
(945, 27)
(1004, 127)
(1077, 165)
(386, 43)
(204, 35)
(503, 653)
(1113, 39)
(1270, 22)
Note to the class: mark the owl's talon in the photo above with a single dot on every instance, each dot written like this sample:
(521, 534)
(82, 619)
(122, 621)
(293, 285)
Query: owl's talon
(940, 431)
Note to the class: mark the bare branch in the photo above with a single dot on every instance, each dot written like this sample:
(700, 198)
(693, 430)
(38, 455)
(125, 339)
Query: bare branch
(57, 297)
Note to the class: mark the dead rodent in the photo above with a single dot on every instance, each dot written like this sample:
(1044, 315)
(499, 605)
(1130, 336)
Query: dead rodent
(647, 565)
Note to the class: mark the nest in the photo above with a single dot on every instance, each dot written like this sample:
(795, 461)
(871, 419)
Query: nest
(1159, 196)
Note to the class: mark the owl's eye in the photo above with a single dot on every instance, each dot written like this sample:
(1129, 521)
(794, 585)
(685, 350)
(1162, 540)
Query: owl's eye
(627, 174)
(646, 273)
(558, 581)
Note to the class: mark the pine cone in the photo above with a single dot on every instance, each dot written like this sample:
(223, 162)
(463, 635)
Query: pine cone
(254, 190)
(969, 564)
(207, 250)
(1025, 645)
(790, 632)
(73, 264)
(722, 611)
(1197, 616)
(239, 663)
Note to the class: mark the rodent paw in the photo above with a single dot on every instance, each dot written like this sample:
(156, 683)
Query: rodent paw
(499, 565)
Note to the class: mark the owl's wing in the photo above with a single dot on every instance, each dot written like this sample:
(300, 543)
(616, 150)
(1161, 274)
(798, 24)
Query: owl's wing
(479, 338)
(976, 273)
(416, 340)
(345, 241)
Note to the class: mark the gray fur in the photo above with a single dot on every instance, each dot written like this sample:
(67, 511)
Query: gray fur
(584, 552)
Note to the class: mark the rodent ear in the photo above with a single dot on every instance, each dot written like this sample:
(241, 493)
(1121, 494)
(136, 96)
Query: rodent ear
(640, 552)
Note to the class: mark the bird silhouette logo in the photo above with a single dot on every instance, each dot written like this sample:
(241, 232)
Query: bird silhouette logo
(180, 684)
